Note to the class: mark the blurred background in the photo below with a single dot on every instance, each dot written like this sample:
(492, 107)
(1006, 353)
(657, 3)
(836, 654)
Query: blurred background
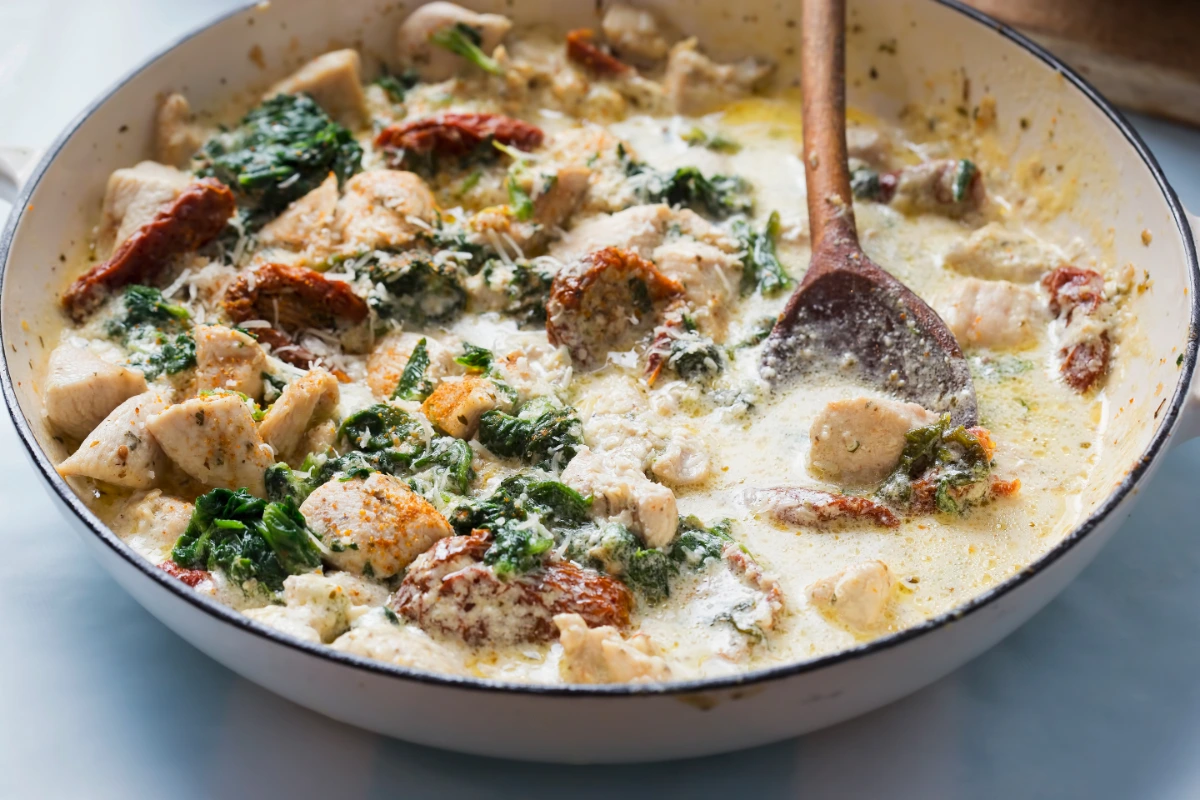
(1096, 697)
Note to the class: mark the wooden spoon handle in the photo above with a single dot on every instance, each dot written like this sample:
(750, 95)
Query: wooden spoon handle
(823, 50)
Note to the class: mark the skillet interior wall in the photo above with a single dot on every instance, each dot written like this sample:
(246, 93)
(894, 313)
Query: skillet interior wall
(1106, 195)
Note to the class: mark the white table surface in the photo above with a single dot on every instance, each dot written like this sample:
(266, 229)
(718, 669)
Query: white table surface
(1098, 696)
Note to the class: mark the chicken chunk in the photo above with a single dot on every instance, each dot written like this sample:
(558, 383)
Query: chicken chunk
(435, 63)
(555, 205)
(603, 655)
(620, 491)
(122, 450)
(949, 187)
(993, 314)
(386, 363)
(709, 276)
(315, 609)
(306, 400)
(634, 34)
(683, 461)
(213, 439)
(858, 442)
(151, 522)
(334, 81)
(795, 505)
(696, 85)
(176, 136)
(858, 596)
(228, 359)
(597, 300)
(450, 591)
(82, 389)
(379, 207)
(377, 637)
(133, 196)
(994, 253)
(374, 527)
(306, 224)
(456, 405)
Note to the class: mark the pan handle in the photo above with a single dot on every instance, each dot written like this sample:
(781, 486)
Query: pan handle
(15, 163)
(1189, 416)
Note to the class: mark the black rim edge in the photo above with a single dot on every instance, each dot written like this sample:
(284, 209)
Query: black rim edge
(228, 615)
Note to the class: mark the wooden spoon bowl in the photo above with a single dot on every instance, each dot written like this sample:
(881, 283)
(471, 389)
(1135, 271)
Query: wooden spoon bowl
(848, 317)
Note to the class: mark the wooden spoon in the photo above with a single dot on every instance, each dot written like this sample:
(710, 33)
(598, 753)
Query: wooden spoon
(848, 317)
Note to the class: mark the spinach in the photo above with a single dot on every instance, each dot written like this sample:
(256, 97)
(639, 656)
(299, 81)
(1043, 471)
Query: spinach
(145, 305)
(521, 513)
(526, 286)
(397, 86)
(760, 331)
(413, 384)
(717, 142)
(416, 290)
(615, 549)
(761, 269)
(865, 184)
(283, 483)
(518, 200)
(157, 353)
(456, 239)
(476, 359)
(693, 356)
(247, 538)
(383, 427)
(464, 40)
(964, 172)
(950, 457)
(717, 196)
(279, 152)
(543, 432)
(451, 458)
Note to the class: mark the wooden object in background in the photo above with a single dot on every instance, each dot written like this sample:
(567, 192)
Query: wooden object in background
(1141, 55)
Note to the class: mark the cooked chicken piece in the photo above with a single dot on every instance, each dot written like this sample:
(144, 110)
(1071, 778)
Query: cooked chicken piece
(387, 361)
(870, 145)
(361, 591)
(306, 224)
(449, 590)
(555, 205)
(334, 81)
(594, 148)
(228, 359)
(638, 230)
(795, 505)
(994, 252)
(858, 595)
(456, 405)
(634, 34)
(994, 314)
(594, 302)
(376, 637)
(937, 187)
(532, 366)
(695, 85)
(134, 195)
(435, 63)
(858, 442)
(308, 399)
(317, 439)
(82, 389)
(379, 207)
(621, 492)
(151, 522)
(213, 439)
(709, 275)
(603, 655)
(176, 137)
(316, 609)
(683, 462)
(122, 450)
(374, 527)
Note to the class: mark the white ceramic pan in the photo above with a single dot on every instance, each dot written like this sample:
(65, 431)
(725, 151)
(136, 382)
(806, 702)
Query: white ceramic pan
(919, 51)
